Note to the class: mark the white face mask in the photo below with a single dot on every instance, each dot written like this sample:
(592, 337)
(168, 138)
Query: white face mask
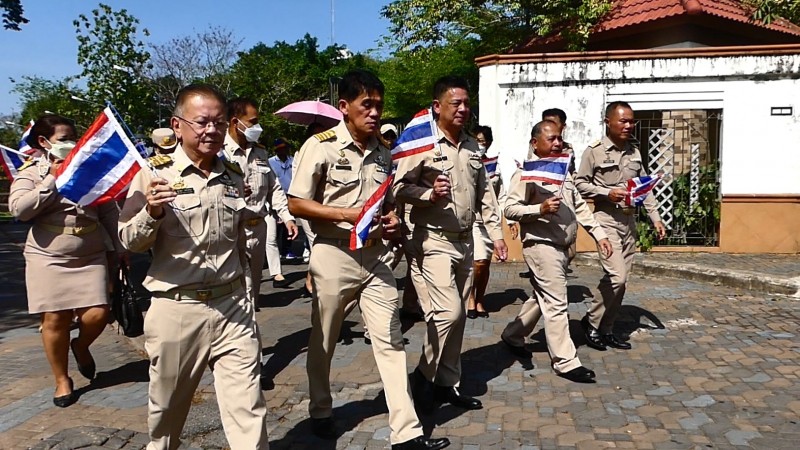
(252, 133)
(481, 149)
(60, 149)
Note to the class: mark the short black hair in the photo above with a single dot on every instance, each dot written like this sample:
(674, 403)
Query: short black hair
(448, 82)
(238, 106)
(45, 126)
(555, 112)
(358, 81)
(486, 131)
(201, 89)
(614, 105)
(537, 129)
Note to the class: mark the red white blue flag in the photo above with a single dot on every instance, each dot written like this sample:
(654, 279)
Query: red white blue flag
(11, 160)
(552, 169)
(102, 164)
(417, 137)
(490, 164)
(23, 141)
(638, 188)
(367, 214)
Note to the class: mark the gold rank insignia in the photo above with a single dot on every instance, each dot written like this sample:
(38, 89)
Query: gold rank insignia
(342, 158)
(325, 135)
(178, 183)
(437, 152)
(26, 164)
(595, 144)
(159, 160)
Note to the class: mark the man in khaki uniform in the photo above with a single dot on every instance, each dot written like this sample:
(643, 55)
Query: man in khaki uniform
(190, 213)
(337, 171)
(241, 147)
(548, 215)
(605, 168)
(446, 187)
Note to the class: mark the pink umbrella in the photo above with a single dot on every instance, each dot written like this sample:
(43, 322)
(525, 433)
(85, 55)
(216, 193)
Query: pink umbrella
(310, 111)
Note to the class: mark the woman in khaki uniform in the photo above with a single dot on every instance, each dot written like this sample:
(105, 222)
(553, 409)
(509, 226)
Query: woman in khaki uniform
(65, 255)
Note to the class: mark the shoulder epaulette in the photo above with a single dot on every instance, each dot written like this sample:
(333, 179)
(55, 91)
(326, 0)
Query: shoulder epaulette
(233, 166)
(159, 160)
(596, 143)
(28, 163)
(325, 135)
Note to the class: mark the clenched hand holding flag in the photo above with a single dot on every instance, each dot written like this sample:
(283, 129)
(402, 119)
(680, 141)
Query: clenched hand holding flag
(552, 169)
(638, 188)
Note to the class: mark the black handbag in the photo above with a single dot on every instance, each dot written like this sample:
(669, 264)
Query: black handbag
(124, 306)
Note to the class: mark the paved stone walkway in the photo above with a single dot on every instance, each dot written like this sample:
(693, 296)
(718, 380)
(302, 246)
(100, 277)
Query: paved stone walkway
(711, 368)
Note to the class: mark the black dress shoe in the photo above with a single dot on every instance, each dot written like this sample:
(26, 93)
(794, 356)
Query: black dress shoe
(472, 314)
(519, 352)
(450, 394)
(284, 283)
(66, 400)
(525, 274)
(421, 443)
(87, 370)
(368, 341)
(483, 313)
(593, 338)
(615, 342)
(422, 392)
(579, 374)
(323, 428)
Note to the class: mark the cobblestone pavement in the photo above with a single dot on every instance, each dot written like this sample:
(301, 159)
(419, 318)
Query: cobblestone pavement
(711, 368)
(777, 265)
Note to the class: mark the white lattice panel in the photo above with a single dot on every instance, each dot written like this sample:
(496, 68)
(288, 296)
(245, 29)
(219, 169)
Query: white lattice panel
(694, 176)
(662, 160)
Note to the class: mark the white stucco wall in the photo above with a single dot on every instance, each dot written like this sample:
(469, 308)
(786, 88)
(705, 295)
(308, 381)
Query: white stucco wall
(760, 153)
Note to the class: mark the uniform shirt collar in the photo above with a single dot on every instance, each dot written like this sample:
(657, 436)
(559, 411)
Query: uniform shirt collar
(230, 146)
(345, 139)
(440, 136)
(609, 145)
(183, 163)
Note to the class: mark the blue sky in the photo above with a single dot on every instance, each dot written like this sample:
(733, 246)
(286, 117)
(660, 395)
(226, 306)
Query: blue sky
(47, 46)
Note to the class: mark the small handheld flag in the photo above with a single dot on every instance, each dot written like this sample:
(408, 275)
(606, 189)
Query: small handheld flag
(490, 164)
(23, 141)
(552, 169)
(638, 188)
(418, 136)
(365, 217)
(101, 165)
(11, 160)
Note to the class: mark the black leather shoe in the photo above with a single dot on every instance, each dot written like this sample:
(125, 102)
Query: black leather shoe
(450, 394)
(483, 313)
(472, 314)
(422, 392)
(284, 283)
(66, 400)
(323, 428)
(421, 443)
(525, 274)
(368, 341)
(87, 370)
(612, 341)
(519, 352)
(593, 338)
(579, 375)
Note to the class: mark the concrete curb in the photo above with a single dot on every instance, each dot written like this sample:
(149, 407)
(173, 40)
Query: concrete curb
(753, 281)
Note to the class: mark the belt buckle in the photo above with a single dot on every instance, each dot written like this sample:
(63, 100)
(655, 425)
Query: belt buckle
(203, 294)
(368, 243)
(77, 230)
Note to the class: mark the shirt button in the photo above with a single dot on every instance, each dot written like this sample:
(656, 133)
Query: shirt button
(213, 232)
(212, 207)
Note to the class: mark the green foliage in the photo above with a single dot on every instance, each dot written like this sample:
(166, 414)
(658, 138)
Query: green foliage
(768, 11)
(274, 76)
(113, 58)
(38, 95)
(497, 24)
(646, 236)
(701, 219)
(12, 14)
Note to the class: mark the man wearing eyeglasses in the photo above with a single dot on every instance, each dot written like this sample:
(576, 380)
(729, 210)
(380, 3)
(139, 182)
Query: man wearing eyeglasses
(606, 166)
(190, 211)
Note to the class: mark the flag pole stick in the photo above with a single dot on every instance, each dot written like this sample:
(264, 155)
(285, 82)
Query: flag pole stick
(566, 172)
(8, 149)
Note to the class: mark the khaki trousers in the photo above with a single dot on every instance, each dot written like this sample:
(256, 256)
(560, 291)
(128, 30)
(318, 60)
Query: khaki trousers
(446, 269)
(549, 267)
(273, 252)
(181, 339)
(338, 276)
(256, 243)
(620, 229)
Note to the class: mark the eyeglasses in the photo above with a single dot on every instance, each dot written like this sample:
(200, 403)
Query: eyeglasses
(204, 124)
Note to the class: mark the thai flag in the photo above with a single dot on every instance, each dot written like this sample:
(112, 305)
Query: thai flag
(638, 188)
(367, 214)
(11, 160)
(101, 165)
(23, 141)
(490, 164)
(552, 169)
(417, 137)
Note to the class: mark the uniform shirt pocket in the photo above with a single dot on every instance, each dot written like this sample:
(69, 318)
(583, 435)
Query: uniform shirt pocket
(343, 187)
(632, 168)
(231, 215)
(188, 216)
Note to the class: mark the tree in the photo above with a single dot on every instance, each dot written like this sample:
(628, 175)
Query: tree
(771, 10)
(12, 14)
(496, 24)
(274, 76)
(114, 59)
(38, 95)
(205, 57)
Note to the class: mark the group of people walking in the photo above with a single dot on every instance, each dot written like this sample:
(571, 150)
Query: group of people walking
(202, 209)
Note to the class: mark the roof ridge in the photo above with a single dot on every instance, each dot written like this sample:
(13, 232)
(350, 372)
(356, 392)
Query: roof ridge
(692, 7)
